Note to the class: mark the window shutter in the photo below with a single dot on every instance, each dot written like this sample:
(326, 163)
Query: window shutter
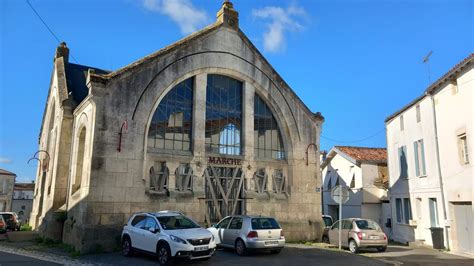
(423, 165)
(400, 161)
(417, 160)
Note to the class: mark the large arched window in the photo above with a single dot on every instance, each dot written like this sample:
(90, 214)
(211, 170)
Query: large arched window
(171, 124)
(81, 146)
(267, 137)
(223, 115)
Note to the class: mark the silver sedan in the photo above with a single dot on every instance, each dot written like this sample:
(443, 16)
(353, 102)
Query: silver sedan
(244, 233)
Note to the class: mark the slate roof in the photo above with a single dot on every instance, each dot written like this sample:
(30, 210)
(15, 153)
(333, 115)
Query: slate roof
(76, 80)
(5, 172)
(365, 154)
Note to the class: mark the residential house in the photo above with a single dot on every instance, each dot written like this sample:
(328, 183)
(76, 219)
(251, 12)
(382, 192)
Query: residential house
(7, 179)
(364, 171)
(22, 202)
(429, 146)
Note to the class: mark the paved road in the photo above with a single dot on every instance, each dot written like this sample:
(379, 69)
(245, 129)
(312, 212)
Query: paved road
(11, 259)
(288, 256)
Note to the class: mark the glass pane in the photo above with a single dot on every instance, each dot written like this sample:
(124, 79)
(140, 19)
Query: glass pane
(268, 141)
(172, 120)
(223, 115)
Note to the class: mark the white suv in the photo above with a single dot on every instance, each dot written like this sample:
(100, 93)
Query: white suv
(167, 234)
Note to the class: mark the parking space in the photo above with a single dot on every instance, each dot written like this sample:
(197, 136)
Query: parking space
(288, 256)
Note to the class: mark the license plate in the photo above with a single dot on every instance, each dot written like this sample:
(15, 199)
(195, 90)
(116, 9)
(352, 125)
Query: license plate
(271, 243)
(373, 237)
(201, 248)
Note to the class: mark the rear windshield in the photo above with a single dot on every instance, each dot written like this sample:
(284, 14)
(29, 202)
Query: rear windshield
(176, 222)
(367, 225)
(327, 221)
(264, 223)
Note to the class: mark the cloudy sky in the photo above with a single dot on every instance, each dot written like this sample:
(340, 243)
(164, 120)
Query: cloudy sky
(355, 61)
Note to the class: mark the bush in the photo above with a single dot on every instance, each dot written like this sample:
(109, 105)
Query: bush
(25, 227)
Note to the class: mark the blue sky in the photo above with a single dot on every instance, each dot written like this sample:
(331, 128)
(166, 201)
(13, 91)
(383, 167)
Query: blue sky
(356, 62)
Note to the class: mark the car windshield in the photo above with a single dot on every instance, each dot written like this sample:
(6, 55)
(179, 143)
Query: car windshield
(367, 225)
(264, 223)
(327, 221)
(176, 222)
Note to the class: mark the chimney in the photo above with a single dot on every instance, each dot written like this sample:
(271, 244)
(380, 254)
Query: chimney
(62, 51)
(228, 16)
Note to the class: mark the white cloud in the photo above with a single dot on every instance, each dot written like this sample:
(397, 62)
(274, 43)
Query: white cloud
(280, 20)
(5, 160)
(182, 12)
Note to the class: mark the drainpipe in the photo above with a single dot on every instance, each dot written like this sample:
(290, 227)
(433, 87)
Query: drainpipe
(439, 169)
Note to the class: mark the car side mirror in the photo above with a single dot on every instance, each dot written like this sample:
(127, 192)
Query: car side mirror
(214, 225)
(153, 230)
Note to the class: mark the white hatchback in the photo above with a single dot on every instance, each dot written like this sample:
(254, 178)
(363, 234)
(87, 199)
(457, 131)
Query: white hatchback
(167, 234)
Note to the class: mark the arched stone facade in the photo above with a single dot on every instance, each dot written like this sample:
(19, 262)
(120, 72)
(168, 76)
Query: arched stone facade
(122, 175)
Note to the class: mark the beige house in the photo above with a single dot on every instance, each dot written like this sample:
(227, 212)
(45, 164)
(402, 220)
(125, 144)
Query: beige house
(204, 126)
(364, 171)
(22, 203)
(7, 180)
(429, 145)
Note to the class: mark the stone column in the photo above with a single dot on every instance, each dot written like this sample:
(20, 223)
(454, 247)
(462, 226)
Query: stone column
(247, 132)
(199, 122)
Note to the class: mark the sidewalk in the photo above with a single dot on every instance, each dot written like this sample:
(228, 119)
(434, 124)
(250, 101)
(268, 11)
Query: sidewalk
(418, 256)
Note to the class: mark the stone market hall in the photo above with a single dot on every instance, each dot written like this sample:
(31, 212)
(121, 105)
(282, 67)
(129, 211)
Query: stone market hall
(204, 126)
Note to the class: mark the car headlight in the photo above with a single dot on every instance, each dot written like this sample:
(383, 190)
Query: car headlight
(177, 239)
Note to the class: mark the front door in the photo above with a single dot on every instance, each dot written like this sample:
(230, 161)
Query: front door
(224, 192)
(463, 221)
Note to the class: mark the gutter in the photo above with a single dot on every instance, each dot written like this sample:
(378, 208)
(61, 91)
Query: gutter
(430, 94)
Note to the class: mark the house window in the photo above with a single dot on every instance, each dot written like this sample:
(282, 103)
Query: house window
(171, 125)
(267, 137)
(402, 158)
(403, 209)
(329, 183)
(223, 115)
(407, 210)
(353, 181)
(433, 212)
(419, 158)
(463, 149)
(418, 114)
(398, 203)
(402, 126)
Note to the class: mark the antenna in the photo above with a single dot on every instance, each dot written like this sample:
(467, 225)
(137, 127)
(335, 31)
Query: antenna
(426, 60)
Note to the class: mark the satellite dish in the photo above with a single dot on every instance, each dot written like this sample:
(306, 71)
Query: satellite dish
(340, 194)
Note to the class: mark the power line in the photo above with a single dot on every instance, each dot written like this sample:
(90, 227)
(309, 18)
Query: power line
(354, 141)
(47, 27)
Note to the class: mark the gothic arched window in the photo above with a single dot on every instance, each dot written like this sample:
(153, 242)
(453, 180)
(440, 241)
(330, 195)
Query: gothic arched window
(223, 115)
(171, 125)
(267, 137)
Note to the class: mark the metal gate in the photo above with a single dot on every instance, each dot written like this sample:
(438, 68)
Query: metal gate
(224, 192)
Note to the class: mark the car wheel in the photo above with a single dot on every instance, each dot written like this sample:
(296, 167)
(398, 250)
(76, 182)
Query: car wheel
(353, 246)
(240, 248)
(127, 247)
(164, 254)
(326, 239)
(382, 249)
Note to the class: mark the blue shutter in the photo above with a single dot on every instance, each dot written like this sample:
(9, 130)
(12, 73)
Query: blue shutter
(423, 165)
(417, 162)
